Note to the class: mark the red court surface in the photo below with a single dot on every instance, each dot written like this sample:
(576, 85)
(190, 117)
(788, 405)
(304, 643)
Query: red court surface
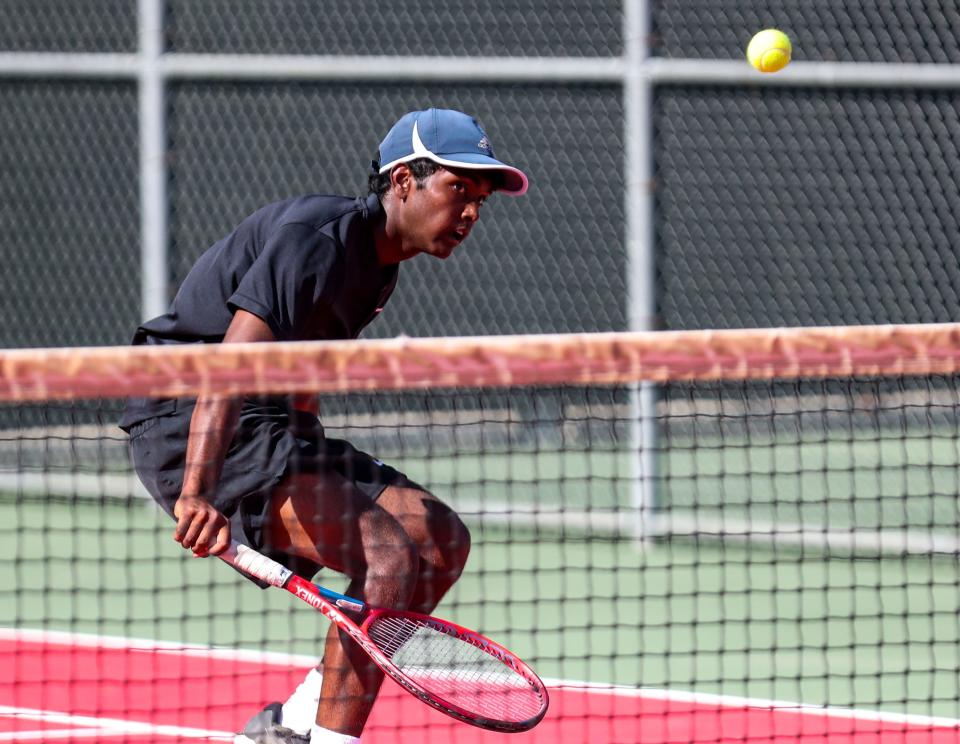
(58, 687)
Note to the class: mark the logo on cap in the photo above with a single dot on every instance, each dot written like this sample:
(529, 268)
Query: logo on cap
(484, 144)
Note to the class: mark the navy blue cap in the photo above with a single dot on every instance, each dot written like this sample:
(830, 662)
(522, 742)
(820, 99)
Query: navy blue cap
(449, 138)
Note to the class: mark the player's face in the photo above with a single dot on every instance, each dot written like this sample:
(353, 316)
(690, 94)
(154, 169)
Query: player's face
(441, 213)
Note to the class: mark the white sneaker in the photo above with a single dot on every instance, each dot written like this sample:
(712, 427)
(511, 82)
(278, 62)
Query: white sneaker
(266, 728)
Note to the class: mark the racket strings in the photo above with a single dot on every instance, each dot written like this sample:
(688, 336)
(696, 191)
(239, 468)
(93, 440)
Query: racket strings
(391, 633)
(451, 668)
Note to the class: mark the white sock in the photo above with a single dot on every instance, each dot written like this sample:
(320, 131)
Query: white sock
(300, 710)
(326, 736)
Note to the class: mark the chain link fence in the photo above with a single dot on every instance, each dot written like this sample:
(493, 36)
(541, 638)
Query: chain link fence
(806, 207)
(69, 212)
(914, 31)
(521, 28)
(68, 26)
(773, 205)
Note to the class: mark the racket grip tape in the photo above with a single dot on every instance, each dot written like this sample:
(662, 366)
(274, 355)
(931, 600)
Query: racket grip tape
(253, 563)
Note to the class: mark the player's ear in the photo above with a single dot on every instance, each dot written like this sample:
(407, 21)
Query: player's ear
(401, 181)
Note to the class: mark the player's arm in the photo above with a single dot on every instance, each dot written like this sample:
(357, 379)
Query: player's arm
(200, 526)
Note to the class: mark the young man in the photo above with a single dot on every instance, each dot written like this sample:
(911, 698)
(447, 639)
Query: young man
(259, 470)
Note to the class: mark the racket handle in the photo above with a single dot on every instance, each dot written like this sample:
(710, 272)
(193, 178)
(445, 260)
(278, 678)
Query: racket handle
(251, 562)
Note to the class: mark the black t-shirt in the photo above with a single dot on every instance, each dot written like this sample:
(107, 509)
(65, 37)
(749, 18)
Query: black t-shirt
(306, 266)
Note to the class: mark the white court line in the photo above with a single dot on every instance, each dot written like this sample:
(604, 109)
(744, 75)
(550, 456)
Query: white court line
(69, 734)
(735, 701)
(45, 734)
(595, 688)
(105, 726)
(92, 640)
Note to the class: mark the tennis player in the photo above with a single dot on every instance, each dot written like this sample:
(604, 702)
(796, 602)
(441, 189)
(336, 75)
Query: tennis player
(260, 470)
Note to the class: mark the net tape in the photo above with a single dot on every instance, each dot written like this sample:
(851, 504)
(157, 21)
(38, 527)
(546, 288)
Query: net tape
(496, 361)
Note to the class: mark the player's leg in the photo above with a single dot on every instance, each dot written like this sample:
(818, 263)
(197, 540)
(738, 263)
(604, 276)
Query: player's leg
(443, 544)
(326, 519)
(350, 681)
(442, 540)
(308, 512)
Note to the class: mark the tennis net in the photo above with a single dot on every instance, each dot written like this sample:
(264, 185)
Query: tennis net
(693, 525)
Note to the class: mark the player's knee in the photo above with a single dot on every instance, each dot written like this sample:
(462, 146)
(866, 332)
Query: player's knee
(454, 551)
(460, 548)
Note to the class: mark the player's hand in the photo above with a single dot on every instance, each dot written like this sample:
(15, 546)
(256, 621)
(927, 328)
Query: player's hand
(200, 527)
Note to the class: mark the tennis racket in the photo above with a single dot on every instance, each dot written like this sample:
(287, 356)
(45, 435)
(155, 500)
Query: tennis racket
(455, 670)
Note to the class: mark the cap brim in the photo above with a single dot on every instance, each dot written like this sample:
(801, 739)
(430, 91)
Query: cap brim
(515, 181)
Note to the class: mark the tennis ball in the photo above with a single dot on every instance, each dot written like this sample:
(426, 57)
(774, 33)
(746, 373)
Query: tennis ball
(769, 50)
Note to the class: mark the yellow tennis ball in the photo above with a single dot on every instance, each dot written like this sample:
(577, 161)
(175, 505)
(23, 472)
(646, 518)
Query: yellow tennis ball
(769, 50)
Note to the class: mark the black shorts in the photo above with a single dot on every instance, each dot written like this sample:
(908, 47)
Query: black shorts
(271, 442)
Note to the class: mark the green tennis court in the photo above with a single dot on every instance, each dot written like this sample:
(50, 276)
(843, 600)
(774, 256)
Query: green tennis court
(749, 618)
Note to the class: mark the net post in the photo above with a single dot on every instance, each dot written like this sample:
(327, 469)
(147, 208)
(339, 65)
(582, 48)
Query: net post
(641, 263)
